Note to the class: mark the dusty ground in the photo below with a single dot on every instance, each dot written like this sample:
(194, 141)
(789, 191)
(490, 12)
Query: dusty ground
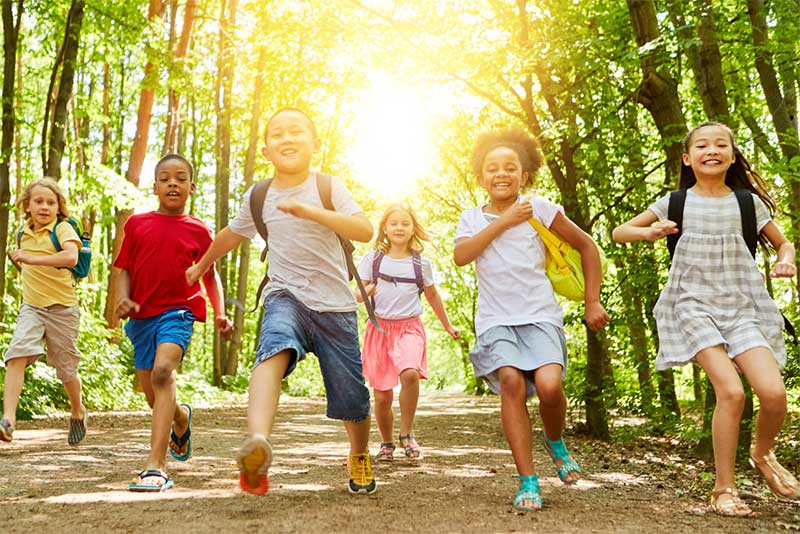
(464, 484)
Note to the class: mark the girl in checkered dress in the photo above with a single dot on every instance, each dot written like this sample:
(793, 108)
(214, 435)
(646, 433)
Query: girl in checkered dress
(715, 309)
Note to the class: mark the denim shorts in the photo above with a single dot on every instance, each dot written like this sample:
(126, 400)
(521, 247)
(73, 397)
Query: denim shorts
(332, 336)
(172, 326)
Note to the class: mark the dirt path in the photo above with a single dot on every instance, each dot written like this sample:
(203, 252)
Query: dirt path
(465, 483)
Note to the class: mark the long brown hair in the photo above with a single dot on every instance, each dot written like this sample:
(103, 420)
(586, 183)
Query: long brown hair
(417, 237)
(740, 174)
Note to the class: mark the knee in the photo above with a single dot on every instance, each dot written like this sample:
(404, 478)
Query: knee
(773, 399)
(731, 396)
(549, 394)
(512, 383)
(383, 398)
(162, 377)
(409, 378)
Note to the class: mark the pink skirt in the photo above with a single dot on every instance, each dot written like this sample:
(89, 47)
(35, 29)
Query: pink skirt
(401, 347)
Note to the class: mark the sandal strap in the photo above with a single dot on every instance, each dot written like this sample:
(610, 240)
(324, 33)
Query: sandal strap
(528, 491)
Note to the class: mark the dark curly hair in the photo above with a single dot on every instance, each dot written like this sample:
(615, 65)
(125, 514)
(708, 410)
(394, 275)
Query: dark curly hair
(518, 140)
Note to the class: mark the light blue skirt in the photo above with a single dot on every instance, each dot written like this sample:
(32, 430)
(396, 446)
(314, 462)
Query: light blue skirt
(525, 347)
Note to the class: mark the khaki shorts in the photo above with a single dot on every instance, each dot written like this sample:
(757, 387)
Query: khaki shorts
(55, 325)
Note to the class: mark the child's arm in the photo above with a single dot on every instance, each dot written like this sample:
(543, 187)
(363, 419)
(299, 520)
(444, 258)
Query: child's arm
(68, 257)
(124, 303)
(469, 248)
(438, 308)
(213, 285)
(369, 288)
(595, 315)
(225, 241)
(354, 227)
(784, 267)
(644, 226)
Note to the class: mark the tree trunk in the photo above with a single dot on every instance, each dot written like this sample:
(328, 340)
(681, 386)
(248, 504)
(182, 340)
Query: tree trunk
(70, 47)
(658, 92)
(138, 152)
(173, 115)
(11, 28)
(596, 414)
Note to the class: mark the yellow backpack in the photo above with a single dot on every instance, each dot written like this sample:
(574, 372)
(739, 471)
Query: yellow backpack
(563, 263)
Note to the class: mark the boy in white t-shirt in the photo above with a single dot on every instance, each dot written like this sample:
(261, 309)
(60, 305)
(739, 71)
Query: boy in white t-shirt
(309, 306)
(521, 350)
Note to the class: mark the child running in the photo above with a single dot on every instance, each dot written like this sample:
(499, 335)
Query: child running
(308, 303)
(157, 248)
(398, 274)
(49, 313)
(521, 350)
(715, 309)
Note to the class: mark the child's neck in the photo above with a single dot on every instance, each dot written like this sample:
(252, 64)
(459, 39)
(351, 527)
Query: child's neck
(399, 251)
(287, 180)
(172, 213)
(711, 186)
(497, 207)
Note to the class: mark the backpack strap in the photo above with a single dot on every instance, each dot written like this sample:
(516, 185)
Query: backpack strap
(257, 197)
(54, 236)
(416, 260)
(677, 200)
(377, 258)
(324, 189)
(747, 210)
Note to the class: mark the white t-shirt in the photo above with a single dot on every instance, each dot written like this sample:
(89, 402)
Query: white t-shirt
(512, 286)
(304, 257)
(396, 301)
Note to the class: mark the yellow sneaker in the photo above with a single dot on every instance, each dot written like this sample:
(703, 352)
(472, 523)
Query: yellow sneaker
(361, 478)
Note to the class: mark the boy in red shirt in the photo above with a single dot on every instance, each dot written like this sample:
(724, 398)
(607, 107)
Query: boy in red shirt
(157, 248)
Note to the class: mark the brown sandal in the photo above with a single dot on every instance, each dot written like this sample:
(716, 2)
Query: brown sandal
(733, 506)
(781, 479)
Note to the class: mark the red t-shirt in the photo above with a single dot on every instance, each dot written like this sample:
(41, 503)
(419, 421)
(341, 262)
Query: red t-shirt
(156, 251)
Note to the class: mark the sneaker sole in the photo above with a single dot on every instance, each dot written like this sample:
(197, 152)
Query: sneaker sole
(254, 459)
(362, 490)
(77, 428)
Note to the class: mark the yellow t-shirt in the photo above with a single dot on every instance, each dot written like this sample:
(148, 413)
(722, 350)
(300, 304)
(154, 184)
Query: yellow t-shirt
(42, 285)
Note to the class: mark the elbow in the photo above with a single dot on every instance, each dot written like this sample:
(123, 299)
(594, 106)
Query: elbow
(72, 261)
(460, 260)
(616, 235)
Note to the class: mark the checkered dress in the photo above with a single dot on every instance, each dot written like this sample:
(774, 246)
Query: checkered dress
(715, 294)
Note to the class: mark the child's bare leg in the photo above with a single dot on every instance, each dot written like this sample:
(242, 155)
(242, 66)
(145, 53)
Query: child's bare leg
(73, 389)
(552, 401)
(384, 416)
(761, 370)
(409, 398)
(730, 402)
(516, 419)
(145, 381)
(162, 379)
(12, 386)
(264, 393)
(358, 435)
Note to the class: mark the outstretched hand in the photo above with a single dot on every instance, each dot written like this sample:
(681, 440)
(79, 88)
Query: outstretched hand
(225, 326)
(660, 229)
(783, 269)
(125, 307)
(596, 316)
(454, 332)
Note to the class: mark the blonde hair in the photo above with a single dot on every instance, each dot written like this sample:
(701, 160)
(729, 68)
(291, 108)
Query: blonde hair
(417, 236)
(50, 184)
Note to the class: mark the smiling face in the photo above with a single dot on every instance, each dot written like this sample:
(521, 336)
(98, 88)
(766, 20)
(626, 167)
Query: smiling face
(173, 186)
(291, 140)
(710, 151)
(502, 175)
(399, 228)
(43, 206)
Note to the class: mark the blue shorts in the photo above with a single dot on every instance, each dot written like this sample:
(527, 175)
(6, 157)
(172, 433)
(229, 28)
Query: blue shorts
(172, 326)
(526, 347)
(332, 336)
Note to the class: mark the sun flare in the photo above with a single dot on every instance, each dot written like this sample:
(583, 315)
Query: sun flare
(393, 149)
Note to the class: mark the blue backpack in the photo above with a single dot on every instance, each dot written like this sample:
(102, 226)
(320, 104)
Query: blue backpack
(81, 269)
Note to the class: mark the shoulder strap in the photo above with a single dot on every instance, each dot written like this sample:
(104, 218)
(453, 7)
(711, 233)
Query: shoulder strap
(19, 235)
(257, 197)
(324, 189)
(54, 236)
(416, 260)
(677, 200)
(376, 265)
(747, 210)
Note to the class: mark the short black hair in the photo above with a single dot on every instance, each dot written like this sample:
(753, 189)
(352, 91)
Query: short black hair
(177, 157)
(517, 139)
(295, 110)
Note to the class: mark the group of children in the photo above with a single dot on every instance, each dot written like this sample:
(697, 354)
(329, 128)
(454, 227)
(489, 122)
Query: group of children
(714, 310)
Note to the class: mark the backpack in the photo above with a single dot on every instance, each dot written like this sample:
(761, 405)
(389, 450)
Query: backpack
(257, 198)
(747, 211)
(416, 261)
(82, 268)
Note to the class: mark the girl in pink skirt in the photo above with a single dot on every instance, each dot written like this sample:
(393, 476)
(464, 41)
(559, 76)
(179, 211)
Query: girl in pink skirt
(395, 275)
